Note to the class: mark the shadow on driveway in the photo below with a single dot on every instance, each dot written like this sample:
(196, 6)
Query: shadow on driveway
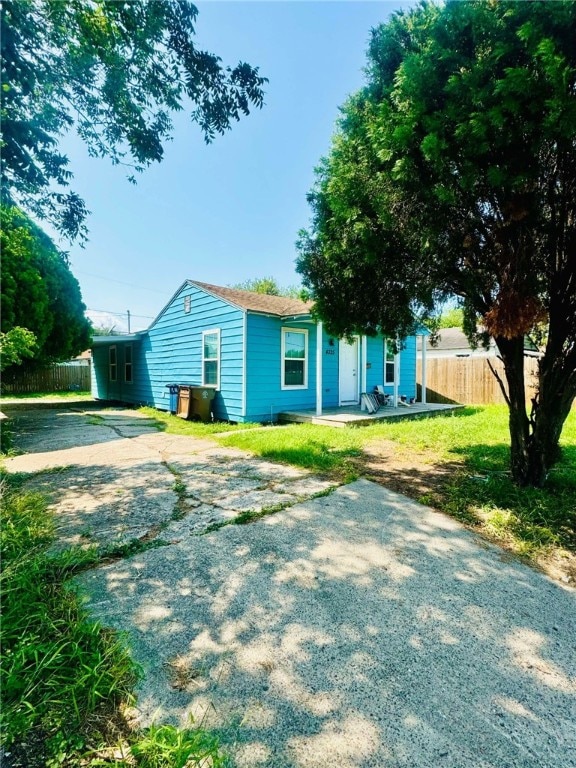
(359, 629)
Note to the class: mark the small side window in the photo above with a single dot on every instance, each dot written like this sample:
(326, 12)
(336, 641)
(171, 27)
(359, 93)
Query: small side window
(294, 358)
(112, 364)
(211, 358)
(187, 304)
(389, 364)
(128, 364)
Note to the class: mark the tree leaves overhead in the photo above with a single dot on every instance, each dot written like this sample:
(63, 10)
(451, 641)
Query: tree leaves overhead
(453, 173)
(116, 70)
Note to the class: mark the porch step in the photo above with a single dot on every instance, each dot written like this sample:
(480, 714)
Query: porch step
(343, 417)
(306, 418)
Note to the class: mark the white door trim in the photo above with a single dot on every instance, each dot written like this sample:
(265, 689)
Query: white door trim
(341, 376)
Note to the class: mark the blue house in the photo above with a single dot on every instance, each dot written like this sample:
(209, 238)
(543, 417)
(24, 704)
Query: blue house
(264, 355)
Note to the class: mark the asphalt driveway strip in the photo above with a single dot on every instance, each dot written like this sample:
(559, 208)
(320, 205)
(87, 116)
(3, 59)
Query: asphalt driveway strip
(352, 629)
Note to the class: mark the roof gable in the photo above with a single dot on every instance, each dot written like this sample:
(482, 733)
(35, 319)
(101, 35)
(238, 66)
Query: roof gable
(262, 303)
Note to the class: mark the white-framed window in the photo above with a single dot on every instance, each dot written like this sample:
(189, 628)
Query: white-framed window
(128, 363)
(187, 304)
(112, 363)
(211, 358)
(389, 363)
(294, 358)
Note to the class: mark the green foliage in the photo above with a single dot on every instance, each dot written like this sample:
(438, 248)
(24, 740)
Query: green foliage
(115, 70)
(269, 286)
(39, 294)
(320, 449)
(60, 395)
(61, 672)
(64, 676)
(482, 493)
(453, 174)
(6, 440)
(163, 745)
(103, 330)
(451, 318)
(174, 425)
(15, 345)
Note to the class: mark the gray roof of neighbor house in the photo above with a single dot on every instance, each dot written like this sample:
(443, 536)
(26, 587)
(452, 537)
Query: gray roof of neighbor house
(455, 338)
(452, 338)
(258, 302)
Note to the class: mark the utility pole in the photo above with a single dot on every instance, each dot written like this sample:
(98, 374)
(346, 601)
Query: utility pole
(128, 313)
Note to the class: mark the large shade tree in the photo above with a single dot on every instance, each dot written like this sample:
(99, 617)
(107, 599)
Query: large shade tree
(453, 173)
(116, 70)
(43, 317)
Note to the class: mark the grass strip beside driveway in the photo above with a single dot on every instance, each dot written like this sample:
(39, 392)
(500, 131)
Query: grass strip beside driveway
(66, 680)
(457, 463)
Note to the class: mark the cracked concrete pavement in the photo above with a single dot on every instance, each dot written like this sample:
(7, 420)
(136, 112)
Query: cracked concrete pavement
(112, 478)
(355, 629)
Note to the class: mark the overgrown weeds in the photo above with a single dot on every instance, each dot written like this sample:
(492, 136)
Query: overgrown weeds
(174, 425)
(324, 450)
(67, 680)
(479, 491)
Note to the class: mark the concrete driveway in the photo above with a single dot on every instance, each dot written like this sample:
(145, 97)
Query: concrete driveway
(352, 629)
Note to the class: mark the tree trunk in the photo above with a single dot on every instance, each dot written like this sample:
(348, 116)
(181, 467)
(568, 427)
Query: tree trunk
(512, 353)
(556, 392)
(535, 440)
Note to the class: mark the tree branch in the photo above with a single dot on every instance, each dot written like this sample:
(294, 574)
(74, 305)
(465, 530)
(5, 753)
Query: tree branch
(499, 380)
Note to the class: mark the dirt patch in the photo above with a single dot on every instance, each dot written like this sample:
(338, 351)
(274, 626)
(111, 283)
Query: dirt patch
(420, 475)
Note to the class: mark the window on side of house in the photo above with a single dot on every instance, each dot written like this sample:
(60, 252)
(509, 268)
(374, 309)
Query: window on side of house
(112, 364)
(128, 363)
(211, 358)
(389, 363)
(294, 358)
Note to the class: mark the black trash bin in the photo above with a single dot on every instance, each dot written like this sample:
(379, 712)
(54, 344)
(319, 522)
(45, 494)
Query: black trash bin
(173, 388)
(202, 398)
(184, 409)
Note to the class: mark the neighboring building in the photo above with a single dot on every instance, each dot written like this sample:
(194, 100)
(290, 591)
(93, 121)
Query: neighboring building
(263, 355)
(83, 360)
(452, 342)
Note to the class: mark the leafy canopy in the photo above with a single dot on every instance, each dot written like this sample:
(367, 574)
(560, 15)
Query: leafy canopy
(269, 285)
(114, 69)
(42, 308)
(15, 345)
(453, 173)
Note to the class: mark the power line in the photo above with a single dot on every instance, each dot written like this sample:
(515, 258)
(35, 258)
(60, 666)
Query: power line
(120, 282)
(118, 314)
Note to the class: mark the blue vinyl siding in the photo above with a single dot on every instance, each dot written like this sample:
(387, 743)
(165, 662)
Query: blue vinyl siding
(265, 398)
(375, 373)
(171, 352)
(124, 391)
(329, 371)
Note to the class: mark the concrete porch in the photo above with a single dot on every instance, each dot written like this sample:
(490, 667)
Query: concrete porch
(353, 416)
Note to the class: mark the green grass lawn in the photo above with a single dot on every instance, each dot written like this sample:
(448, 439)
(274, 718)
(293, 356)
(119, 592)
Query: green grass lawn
(65, 678)
(64, 395)
(174, 425)
(479, 492)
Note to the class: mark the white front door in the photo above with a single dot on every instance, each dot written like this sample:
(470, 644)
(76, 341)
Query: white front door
(348, 372)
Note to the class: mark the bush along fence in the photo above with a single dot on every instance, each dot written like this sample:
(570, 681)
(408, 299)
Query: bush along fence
(59, 377)
(469, 380)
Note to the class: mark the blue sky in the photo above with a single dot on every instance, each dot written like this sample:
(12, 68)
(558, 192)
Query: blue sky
(229, 211)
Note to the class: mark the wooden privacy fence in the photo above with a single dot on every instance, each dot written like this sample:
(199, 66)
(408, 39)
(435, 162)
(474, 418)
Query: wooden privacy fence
(55, 378)
(469, 380)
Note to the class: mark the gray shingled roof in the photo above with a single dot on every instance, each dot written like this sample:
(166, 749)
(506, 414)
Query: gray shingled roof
(451, 338)
(258, 302)
(455, 338)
